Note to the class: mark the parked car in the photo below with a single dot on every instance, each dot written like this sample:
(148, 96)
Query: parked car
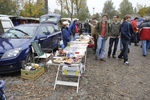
(15, 44)
(5, 24)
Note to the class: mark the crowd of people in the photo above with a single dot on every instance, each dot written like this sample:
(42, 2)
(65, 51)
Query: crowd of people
(117, 30)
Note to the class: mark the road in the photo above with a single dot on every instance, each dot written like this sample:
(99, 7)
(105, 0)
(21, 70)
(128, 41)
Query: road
(110, 80)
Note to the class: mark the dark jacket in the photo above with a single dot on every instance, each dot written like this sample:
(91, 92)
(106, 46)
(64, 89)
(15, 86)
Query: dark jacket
(98, 29)
(115, 29)
(66, 36)
(72, 28)
(125, 31)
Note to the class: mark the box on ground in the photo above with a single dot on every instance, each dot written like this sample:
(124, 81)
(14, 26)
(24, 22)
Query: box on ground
(32, 75)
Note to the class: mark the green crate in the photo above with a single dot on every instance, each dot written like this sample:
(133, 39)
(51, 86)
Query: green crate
(32, 75)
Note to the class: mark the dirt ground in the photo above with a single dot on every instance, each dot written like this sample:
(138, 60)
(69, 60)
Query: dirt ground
(109, 80)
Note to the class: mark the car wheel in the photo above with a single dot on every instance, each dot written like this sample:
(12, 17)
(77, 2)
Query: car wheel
(29, 58)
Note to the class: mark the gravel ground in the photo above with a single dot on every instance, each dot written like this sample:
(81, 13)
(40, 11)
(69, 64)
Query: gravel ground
(109, 80)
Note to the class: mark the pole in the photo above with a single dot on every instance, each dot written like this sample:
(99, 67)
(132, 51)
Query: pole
(93, 10)
(30, 8)
(61, 7)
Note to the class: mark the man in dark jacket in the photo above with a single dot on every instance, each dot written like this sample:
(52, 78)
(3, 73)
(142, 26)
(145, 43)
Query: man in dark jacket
(102, 31)
(125, 38)
(115, 31)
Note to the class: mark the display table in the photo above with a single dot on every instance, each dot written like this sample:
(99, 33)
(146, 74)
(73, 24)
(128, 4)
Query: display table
(77, 50)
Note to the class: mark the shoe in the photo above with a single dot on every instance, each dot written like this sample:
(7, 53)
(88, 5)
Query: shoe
(128, 50)
(144, 55)
(108, 56)
(103, 60)
(136, 45)
(126, 63)
(120, 57)
(113, 56)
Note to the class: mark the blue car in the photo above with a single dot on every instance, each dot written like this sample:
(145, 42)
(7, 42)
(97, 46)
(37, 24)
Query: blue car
(15, 44)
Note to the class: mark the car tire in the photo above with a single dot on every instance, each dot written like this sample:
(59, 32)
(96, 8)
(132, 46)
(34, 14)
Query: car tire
(29, 58)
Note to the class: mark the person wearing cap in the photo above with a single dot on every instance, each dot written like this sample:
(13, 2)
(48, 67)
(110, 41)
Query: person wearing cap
(65, 33)
(135, 30)
(73, 29)
(102, 31)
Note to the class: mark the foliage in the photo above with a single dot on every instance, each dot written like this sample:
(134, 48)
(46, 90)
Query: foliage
(8, 7)
(109, 9)
(125, 8)
(32, 9)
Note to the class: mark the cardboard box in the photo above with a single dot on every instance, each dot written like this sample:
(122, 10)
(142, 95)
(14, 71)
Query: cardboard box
(32, 75)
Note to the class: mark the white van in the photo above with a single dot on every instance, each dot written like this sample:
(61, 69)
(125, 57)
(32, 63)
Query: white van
(5, 24)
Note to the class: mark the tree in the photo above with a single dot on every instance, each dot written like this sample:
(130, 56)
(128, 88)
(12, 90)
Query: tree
(109, 9)
(8, 7)
(142, 12)
(125, 8)
(33, 9)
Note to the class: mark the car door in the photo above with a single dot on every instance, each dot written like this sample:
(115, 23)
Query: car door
(54, 36)
(43, 39)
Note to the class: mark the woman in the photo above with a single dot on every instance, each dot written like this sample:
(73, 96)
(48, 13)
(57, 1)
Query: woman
(65, 33)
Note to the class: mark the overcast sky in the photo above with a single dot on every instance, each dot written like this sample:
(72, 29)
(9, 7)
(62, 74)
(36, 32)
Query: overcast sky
(99, 4)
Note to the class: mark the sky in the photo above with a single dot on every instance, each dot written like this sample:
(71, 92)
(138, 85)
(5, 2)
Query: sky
(99, 4)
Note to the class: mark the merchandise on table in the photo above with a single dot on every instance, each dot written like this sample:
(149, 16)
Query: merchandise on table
(71, 71)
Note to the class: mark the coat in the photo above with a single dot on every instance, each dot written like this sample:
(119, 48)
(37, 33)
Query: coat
(125, 31)
(145, 31)
(98, 29)
(66, 36)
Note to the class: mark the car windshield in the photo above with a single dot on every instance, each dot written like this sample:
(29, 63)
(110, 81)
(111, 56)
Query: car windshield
(49, 19)
(20, 32)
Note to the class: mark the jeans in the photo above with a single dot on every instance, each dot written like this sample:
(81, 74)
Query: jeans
(121, 46)
(145, 46)
(124, 52)
(111, 42)
(135, 38)
(100, 46)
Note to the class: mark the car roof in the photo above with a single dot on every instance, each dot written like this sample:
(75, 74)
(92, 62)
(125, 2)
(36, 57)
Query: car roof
(35, 25)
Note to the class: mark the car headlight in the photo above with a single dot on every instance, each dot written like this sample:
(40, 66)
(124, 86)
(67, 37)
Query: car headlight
(11, 53)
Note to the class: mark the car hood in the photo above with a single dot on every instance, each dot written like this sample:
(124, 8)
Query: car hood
(7, 44)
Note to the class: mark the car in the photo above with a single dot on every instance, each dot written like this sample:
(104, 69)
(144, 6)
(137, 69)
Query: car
(5, 24)
(15, 44)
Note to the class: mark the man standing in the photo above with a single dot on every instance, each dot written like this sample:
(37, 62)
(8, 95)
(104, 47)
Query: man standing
(135, 30)
(73, 29)
(125, 38)
(115, 31)
(102, 31)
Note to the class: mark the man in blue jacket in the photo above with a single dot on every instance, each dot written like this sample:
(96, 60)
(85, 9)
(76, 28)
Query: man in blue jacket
(125, 37)
(73, 29)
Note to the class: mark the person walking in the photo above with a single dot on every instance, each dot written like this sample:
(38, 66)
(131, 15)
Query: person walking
(65, 33)
(73, 29)
(125, 38)
(135, 30)
(115, 31)
(145, 36)
(102, 31)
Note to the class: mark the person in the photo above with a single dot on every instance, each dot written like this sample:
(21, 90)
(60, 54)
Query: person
(87, 27)
(115, 31)
(93, 25)
(135, 30)
(145, 36)
(65, 33)
(125, 38)
(102, 31)
(73, 29)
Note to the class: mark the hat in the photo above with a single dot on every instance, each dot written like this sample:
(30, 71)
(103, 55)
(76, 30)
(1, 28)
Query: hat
(65, 23)
(136, 18)
(76, 19)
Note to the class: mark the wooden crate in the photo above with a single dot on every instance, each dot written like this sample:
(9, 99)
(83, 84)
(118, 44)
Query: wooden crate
(32, 75)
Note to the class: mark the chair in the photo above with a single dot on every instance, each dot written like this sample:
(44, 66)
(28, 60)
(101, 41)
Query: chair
(40, 54)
